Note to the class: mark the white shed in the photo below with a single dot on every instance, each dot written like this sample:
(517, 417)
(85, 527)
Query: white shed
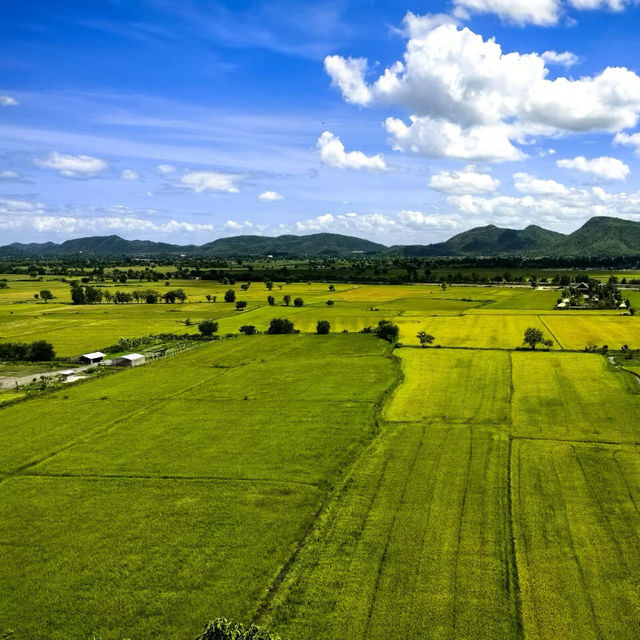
(93, 358)
(130, 360)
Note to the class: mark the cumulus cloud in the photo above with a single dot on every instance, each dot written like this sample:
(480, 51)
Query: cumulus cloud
(270, 196)
(165, 169)
(469, 180)
(130, 174)
(529, 184)
(333, 154)
(200, 181)
(8, 101)
(604, 167)
(471, 101)
(629, 140)
(72, 166)
(539, 12)
(566, 58)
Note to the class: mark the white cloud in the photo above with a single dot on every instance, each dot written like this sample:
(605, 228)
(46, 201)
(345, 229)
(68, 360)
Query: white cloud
(566, 58)
(332, 153)
(9, 176)
(629, 140)
(71, 166)
(165, 169)
(270, 196)
(469, 100)
(233, 225)
(529, 184)
(200, 181)
(539, 12)
(466, 181)
(605, 167)
(8, 101)
(129, 174)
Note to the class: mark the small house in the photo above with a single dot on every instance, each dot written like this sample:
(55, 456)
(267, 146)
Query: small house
(582, 286)
(130, 360)
(93, 358)
(66, 374)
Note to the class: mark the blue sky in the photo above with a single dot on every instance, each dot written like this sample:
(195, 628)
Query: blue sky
(403, 123)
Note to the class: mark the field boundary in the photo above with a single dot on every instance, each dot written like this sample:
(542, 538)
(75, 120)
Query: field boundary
(551, 332)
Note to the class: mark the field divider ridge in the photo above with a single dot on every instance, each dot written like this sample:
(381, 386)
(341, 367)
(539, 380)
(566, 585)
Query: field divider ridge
(551, 332)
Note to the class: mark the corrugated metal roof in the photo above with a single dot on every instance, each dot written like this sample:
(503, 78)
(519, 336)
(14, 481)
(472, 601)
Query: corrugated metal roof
(133, 356)
(93, 355)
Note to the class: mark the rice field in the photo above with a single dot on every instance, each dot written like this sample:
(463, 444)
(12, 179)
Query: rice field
(327, 487)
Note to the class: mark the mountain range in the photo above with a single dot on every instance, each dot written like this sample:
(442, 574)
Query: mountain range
(599, 236)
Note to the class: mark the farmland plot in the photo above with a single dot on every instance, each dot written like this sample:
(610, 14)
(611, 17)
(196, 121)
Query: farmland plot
(415, 545)
(576, 526)
(574, 396)
(130, 507)
(577, 331)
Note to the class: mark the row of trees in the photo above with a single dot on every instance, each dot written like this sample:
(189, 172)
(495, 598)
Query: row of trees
(87, 294)
(38, 351)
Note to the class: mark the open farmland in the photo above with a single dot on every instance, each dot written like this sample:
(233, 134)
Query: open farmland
(218, 488)
(327, 487)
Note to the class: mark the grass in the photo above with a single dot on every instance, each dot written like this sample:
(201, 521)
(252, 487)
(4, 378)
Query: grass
(492, 494)
(149, 501)
(576, 527)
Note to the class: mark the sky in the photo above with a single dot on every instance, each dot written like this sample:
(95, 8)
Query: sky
(401, 122)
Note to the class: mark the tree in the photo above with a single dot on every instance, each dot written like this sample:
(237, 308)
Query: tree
(323, 327)
(298, 302)
(230, 296)
(241, 304)
(271, 300)
(286, 299)
(331, 288)
(151, 296)
(208, 327)
(40, 351)
(46, 295)
(533, 337)
(387, 330)
(425, 338)
(330, 303)
(107, 295)
(248, 329)
(208, 297)
(169, 297)
(181, 296)
(279, 326)
(77, 293)
(269, 285)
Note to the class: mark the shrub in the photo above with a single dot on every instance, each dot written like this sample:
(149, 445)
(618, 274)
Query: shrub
(230, 296)
(248, 329)
(387, 330)
(298, 302)
(323, 327)
(222, 629)
(241, 304)
(208, 327)
(280, 325)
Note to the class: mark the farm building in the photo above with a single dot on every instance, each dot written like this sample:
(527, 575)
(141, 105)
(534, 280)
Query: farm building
(130, 360)
(93, 358)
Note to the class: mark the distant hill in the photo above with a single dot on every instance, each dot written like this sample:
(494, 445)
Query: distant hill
(602, 236)
(599, 236)
(314, 245)
(489, 240)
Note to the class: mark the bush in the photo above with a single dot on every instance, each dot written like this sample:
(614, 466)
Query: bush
(280, 326)
(298, 302)
(241, 304)
(230, 296)
(208, 327)
(222, 629)
(323, 327)
(388, 331)
(41, 350)
(248, 329)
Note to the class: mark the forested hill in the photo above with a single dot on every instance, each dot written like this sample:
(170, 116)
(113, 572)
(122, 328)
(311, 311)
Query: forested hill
(600, 236)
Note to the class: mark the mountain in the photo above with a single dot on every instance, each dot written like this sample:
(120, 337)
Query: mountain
(489, 240)
(602, 236)
(316, 245)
